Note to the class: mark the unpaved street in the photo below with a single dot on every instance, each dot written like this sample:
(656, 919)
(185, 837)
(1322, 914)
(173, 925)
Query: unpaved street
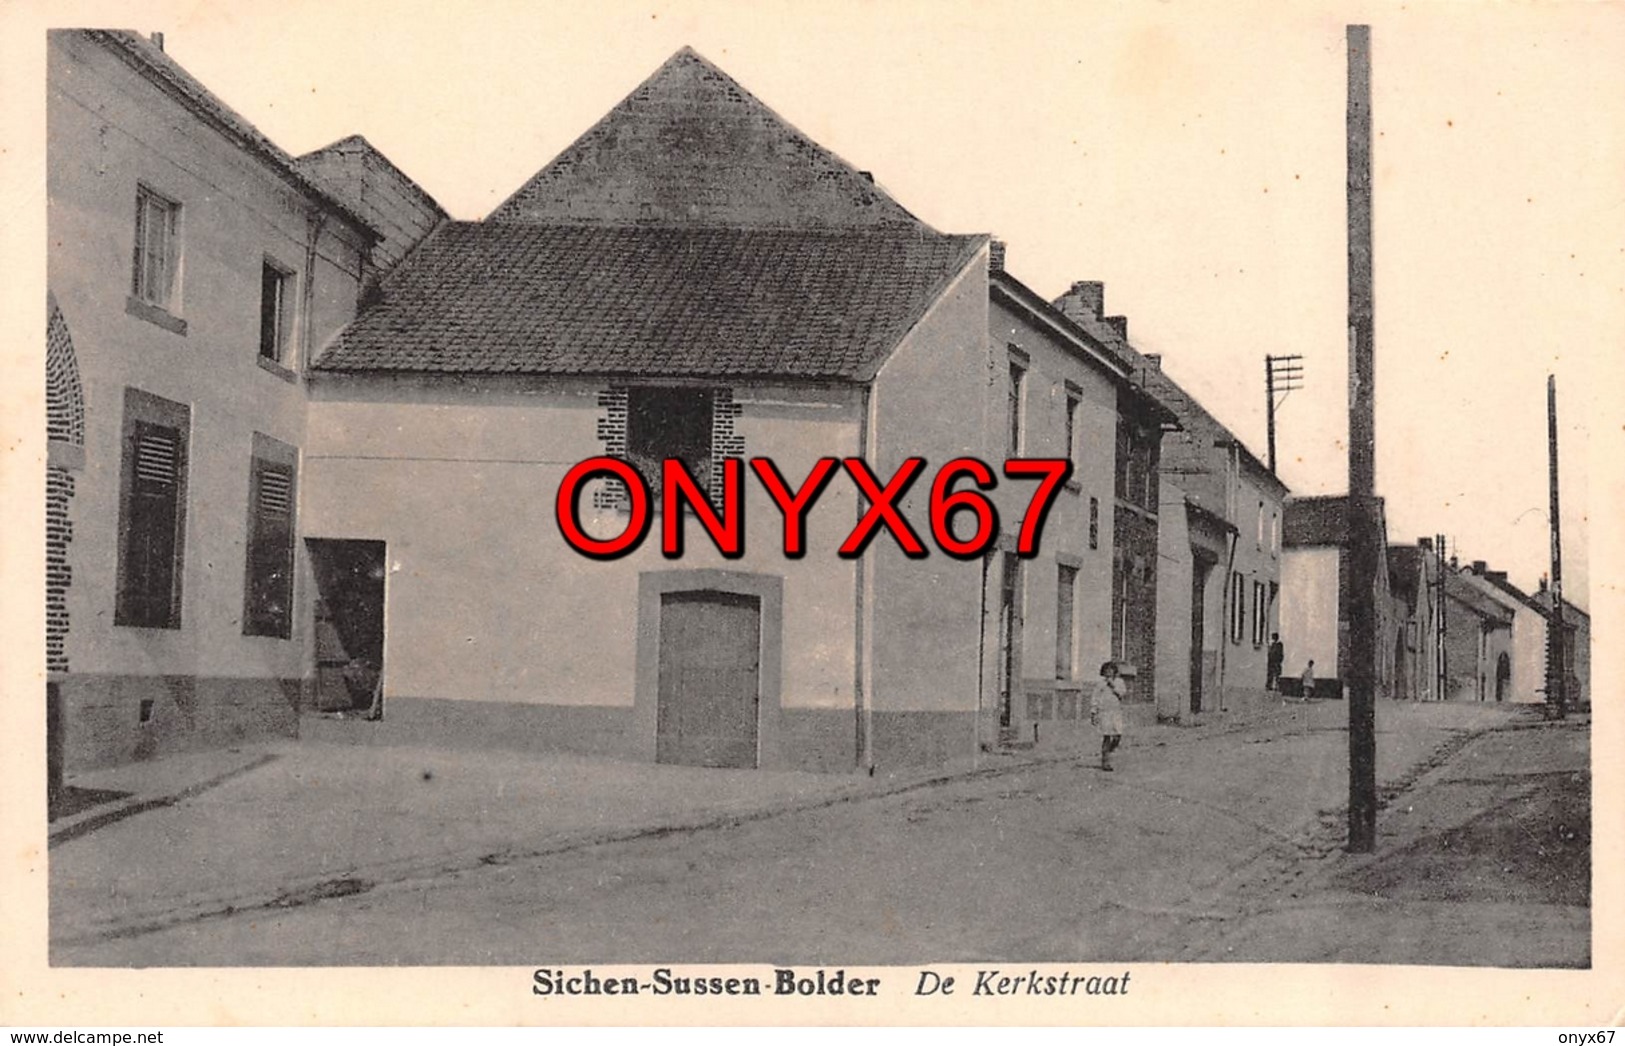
(1221, 846)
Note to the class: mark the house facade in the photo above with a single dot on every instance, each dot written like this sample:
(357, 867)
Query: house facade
(1525, 678)
(1414, 582)
(1090, 590)
(1576, 650)
(751, 296)
(1479, 637)
(1315, 573)
(193, 271)
(1206, 553)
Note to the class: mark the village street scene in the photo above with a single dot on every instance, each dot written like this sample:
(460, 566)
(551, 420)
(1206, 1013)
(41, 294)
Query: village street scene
(693, 554)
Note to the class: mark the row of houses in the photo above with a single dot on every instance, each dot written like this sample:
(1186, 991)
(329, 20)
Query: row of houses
(1447, 631)
(306, 435)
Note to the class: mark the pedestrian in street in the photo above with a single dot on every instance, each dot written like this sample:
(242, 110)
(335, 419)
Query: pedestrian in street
(1274, 662)
(1106, 712)
(1309, 681)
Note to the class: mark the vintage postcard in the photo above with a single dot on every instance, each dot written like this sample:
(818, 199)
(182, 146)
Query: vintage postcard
(861, 513)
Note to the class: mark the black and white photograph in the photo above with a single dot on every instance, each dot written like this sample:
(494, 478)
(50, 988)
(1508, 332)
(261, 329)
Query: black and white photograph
(863, 512)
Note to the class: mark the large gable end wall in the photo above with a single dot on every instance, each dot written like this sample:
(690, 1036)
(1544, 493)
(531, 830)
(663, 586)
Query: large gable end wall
(691, 146)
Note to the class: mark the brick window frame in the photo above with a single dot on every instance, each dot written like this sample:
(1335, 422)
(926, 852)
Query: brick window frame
(616, 422)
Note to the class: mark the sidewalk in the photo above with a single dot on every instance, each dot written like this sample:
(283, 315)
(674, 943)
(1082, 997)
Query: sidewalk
(278, 825)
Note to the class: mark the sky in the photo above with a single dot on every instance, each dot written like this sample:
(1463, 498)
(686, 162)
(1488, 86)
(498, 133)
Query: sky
(1190, 156)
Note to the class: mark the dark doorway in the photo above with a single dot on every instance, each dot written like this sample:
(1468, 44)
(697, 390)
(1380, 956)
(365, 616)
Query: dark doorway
(710, 687)
(1503, 676)
(349, 624)
(1201, 567)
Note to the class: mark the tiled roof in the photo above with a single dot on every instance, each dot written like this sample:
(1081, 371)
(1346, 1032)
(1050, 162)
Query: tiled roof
(495, 297)
(1195, 419)
(1322, 521)
(168, 74)
(691, 146)
(1478, 596)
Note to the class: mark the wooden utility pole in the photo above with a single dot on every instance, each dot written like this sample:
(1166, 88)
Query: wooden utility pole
(1557, 663)
(1359, 593)
(1282, 375)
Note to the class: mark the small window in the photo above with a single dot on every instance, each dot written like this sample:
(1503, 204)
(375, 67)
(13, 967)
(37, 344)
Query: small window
(152, 511)
(1259, 541)
(1261, 612)
(272, 497)
(1071, 434)
(1094, 522)
(1123, 460)
(276, 312)
(1018, 378)
(1238, 607)
(157, 248)
(666, 423)
(1065, 620)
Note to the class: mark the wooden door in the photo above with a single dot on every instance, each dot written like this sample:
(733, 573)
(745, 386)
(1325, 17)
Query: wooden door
(710, 686)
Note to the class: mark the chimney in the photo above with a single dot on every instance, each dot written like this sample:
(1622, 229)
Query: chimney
(1085, 301)
(1497, 575)
(1154, 358)
(1425, 544)
(995, 256)
(1478, 567)
(158, 40)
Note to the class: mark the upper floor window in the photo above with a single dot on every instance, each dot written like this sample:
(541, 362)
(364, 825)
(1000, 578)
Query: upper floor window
(1071, 434)
(1018, 378)
(669, 422)
(157, 248)
(1259, 542)
(1137, 462)
(276, 312)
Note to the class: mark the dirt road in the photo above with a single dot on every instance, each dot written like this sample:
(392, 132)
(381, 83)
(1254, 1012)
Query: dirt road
(1222, 847)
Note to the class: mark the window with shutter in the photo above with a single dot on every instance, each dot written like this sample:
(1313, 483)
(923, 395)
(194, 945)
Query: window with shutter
(151, 513)
(268, 583)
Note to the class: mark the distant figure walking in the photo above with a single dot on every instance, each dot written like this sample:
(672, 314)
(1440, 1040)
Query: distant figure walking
(1277, 658)
(1106, 712)
(1309, 681)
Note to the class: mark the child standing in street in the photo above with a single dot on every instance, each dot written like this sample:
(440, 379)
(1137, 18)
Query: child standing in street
(1106, 712)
